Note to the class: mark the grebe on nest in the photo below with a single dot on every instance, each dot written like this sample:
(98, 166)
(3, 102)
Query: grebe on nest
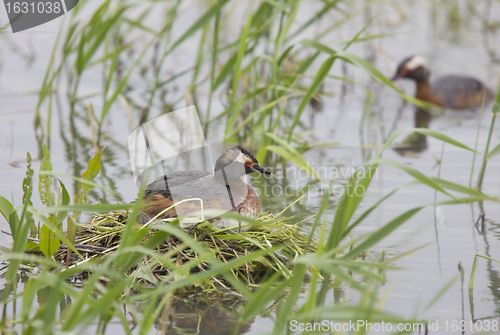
(221, 190)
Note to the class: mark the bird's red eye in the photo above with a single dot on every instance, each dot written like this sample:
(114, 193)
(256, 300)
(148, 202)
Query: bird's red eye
(248, 163)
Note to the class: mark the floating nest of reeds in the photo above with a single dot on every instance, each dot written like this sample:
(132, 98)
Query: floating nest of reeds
(101, 237)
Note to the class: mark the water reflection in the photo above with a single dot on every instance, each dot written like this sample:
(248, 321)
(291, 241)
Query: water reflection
(450, 24)
(493, 274)
(489, 29)
(415, 142)
(189, 316)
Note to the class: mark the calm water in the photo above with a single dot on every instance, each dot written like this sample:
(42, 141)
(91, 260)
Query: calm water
(453, 38)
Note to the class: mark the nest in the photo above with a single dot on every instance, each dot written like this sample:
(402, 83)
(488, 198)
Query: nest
(101, 238)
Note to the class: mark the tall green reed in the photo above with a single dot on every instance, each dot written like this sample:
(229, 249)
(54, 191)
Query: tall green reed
(260, 73)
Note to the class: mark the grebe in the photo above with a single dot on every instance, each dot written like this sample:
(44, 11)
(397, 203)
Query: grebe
(221, 190)
(452, 91)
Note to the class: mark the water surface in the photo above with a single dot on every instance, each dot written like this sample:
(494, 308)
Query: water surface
(455, 37)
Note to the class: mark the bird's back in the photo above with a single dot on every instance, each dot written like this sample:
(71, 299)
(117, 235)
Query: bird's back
(460, 92)
(188, 184)
(183, 185)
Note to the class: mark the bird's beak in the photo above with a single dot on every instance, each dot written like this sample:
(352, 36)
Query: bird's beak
(396, 77)
(262, 170)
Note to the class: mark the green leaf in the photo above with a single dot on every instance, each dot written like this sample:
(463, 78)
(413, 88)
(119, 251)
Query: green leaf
(380, 234)
(234, 108)
(349, 203)
(413, 172)
(259, 111)
(6, 208)
(202, 21)
(459, 188)
(19, 239)
(496, 105)
(305, 64)
(50, 224)
(49, 242)
(92, 170)
(297, 160)
(367, 212)
(83, 181)
(64, 201)
(317, 81)
(494, 152)
(29, 292)
(224, 72)
(356, 37)
(265, 295)
(97, 38)
(294, 8)
(46, 194)
(71, 230)
(98, 208)
(8, 212)
(318, 46)
(27, 192)
(32, 246)
(291, 154)
(28, 178)
(427, 132)
(284, 55)
(473, 269)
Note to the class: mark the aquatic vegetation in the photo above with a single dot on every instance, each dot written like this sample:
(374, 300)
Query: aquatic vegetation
(113, 255)
(253, 85)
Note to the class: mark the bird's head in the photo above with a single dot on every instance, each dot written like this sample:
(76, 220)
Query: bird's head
(234, 163)
(413, 67)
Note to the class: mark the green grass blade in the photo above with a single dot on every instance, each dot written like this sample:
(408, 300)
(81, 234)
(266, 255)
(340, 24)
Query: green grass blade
(234, 109)
(200, 23)
(7, 209)
(44, 185)
(291, 154)
(381, 233)
(495, 151)
(227, 68)
(365, 214)
(94, 167)
(315, 85)
(411, 171)
(53, 228)
(473, 269)
(65, 199)
(442, 292)
(428, 132)
(49, 243)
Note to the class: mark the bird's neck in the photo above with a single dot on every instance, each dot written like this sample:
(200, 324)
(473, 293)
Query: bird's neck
(424, 92)
(227, 176)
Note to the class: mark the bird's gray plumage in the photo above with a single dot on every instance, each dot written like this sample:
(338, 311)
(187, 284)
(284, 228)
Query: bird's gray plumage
(452, 88)
(197, 184)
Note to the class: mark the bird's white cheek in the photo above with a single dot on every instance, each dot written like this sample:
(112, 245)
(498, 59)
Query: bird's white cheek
(415, 62)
